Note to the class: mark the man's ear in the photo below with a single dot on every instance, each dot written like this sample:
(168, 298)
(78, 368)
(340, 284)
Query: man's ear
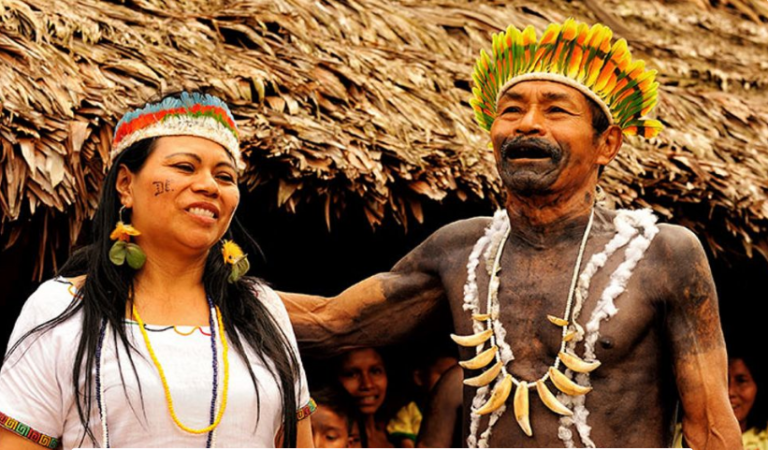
(124, 185)
(609, 144)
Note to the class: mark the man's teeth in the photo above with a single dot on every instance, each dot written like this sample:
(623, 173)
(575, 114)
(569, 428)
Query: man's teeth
(202, 212)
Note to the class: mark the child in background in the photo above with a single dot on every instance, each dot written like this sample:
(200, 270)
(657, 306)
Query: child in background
(363, 375)
(403, 429)
(333, 419)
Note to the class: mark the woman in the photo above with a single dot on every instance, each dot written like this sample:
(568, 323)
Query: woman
(364, 376)
(152, 337)
(747, 394)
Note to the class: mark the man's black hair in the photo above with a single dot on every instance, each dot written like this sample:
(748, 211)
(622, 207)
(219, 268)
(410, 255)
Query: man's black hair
(600, 121)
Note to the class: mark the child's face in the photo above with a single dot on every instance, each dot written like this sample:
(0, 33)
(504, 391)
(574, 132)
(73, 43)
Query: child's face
(329, 430)
(354, 436)
(363, 375)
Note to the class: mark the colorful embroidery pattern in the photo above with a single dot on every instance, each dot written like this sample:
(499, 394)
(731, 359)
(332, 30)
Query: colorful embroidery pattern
(27, 432)
(307, 410)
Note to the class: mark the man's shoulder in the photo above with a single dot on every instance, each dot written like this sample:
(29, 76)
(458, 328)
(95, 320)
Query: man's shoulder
(448, 243)
(676, 243)
(461, 232)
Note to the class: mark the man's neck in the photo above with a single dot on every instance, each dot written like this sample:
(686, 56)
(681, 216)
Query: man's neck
(542, 222)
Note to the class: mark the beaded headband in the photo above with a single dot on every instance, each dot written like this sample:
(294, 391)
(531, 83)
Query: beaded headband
(194, 114)
(575, 55)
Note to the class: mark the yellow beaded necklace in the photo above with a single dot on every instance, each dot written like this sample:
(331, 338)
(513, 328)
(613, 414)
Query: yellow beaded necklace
(166, 388)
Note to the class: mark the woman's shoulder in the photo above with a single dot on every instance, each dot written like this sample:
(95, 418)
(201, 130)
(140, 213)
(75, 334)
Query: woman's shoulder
(274, 304)
(49, 301)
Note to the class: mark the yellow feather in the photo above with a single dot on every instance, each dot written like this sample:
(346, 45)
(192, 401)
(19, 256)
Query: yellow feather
(529, 35)
(605, 40)
(593, 72)
(550, 34)
(573, 65)
(569, 29)
(605, 75)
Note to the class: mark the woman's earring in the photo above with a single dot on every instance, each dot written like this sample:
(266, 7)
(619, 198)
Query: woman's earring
(123, 249)
(234, 257)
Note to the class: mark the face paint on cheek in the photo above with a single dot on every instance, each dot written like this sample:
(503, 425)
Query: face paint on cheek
(161, 187)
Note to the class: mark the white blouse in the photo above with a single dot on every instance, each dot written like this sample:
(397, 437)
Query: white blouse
(36, 398)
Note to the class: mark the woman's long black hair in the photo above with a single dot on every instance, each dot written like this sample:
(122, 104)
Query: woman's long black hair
(106, 293)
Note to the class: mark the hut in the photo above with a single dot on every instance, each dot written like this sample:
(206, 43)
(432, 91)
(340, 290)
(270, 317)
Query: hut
(356, 124)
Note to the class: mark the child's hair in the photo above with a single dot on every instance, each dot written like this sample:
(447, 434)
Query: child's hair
(336, 399)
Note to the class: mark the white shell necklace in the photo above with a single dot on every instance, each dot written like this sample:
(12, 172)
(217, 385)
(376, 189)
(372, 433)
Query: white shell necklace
(491, 245)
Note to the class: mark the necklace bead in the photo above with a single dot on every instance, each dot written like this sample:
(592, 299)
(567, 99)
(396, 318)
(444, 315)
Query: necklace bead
(215, 419)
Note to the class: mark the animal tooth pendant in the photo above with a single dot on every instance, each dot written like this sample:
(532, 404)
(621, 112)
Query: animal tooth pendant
(472, 340)
(577, 364)
(549, 399)
(499, 396)
(565, 384)
(569, 336)
(486, 377)
(481, 360)
(557, 321)
(522, 408)
(481, 317)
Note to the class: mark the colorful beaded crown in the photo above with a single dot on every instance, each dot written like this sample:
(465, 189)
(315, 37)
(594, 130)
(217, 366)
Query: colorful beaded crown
(194, 114)
(578, 56)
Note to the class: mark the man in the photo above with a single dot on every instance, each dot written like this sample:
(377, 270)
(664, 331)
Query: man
(577, 325)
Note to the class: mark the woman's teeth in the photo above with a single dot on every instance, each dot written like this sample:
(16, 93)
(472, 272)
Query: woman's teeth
(201, 212)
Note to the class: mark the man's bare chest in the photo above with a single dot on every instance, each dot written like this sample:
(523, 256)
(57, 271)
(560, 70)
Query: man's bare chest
(546, 307)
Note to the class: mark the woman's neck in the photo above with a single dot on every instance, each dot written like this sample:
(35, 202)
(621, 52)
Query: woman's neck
(170, 291)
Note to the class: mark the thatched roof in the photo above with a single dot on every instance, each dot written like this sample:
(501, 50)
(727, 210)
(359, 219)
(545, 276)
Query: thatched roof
(368, 100)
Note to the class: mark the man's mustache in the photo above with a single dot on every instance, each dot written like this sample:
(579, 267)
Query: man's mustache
(514, 146)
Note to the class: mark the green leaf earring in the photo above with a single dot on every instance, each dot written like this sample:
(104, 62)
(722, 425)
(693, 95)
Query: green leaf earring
(123, 250)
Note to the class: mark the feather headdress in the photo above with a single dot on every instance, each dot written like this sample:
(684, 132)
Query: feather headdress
(188, 114)
(574, 54)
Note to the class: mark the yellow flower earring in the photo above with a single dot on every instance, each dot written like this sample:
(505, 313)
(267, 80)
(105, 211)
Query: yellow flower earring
(123, 249)
(233, 255)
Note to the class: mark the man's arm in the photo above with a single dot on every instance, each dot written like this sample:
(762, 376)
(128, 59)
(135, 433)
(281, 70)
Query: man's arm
(377, 311)
(383, 309)
(698, 350)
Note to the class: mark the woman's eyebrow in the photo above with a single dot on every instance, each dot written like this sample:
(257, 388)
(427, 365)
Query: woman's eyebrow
(191, 155)
(227, 164)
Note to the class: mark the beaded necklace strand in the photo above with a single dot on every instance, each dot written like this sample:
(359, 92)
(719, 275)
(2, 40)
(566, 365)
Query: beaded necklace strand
(214, 418)
(166, 388)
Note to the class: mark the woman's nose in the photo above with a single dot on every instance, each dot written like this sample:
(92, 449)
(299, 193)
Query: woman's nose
(206, 183)
(366, 382)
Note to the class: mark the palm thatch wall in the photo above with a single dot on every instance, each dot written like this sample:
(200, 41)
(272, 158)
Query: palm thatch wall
(365, 102)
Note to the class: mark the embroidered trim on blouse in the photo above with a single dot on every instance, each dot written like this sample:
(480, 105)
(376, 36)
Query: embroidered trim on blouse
(307, 410)
(27, 432)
